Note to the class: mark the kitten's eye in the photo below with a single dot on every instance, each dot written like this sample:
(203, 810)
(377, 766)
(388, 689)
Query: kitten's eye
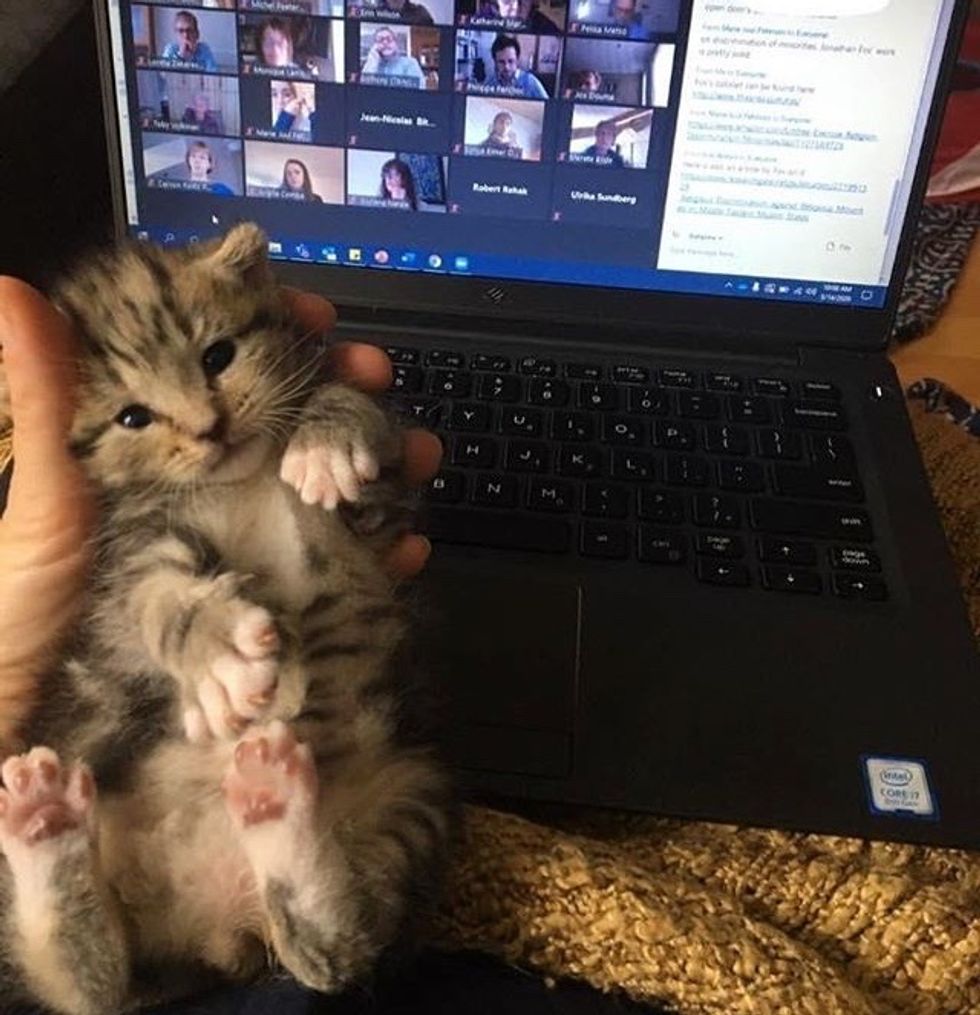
(135, 417)
(217, 357)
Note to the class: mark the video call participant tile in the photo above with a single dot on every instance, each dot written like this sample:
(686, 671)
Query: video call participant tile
(419, 13)
(291, 110)
(294, 173)
(539, 17)
(617, 137)
(188, 103)
(291, 46)
(618, 198)
(173, 38)
(396, 181)
(502, 129)
(499, 189)
(398, 56)
(392, 118)
(624, 19)
(323, 8)
(196, 165)
(620, 73)
(497, 63)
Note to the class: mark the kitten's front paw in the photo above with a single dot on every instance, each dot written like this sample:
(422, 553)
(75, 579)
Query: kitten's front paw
(231, 667)
(325, 465)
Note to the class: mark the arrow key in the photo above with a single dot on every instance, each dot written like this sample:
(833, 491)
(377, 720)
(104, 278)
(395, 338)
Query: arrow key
(791, 579)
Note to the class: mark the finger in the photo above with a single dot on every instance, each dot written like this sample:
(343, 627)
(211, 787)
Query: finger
(364, 366)
(312, 311)
(408, 556)
(423, 454)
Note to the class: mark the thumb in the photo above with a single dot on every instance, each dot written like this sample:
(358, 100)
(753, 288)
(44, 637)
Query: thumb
(38, 356)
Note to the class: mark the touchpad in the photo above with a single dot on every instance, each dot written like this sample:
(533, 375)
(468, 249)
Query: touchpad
(506, 656)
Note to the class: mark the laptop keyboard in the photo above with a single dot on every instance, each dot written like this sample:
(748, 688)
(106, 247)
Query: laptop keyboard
(745, 481)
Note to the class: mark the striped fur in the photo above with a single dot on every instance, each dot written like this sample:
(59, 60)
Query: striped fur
(208, 564)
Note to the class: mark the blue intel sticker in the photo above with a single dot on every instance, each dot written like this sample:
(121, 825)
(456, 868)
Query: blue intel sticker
(899, 787)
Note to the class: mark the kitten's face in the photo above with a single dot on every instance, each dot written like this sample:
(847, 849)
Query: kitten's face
(190, 370)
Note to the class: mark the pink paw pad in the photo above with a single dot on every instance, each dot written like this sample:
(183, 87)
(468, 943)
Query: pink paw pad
(271, 773)
(41, 799)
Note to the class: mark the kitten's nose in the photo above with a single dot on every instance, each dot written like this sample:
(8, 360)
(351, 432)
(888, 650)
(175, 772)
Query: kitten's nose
(215, 432)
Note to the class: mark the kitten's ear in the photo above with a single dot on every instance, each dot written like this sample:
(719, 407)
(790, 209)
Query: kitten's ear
(244, 253)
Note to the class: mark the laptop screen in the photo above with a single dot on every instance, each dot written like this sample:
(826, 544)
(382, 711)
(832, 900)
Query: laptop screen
(759, 150)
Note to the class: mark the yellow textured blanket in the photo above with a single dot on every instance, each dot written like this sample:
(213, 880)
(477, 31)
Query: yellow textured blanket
(714, 920)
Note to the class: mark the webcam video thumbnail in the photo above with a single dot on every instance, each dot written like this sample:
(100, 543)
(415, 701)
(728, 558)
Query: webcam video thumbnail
(179, 39)
(615, 136)
(503, 128)
(399, 56)
(624, 19)
(620, 73)
(494, 63)
(400, 181)
(292, 46)
(187, 103)
(294, 173)
(539, 17)
(205, 165)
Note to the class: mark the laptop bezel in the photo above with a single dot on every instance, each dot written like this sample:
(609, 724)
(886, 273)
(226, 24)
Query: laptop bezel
(633, 316)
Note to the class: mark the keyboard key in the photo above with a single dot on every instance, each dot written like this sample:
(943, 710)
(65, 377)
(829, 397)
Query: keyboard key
(534, 367)
(815, 415)
(528, 456)
(818, 482)
(478, 451)
(605, 500)
(791, 579)
(498, 530)
(748, 409)
(743, 477)
(451, 383)
(685, 470)
(598, 396)
(774, 386)
(585, 463)
(717, 511)
(718, 572)
(526, 422)
(551, 495)
(572, 426)
(674, 435)
(583, 371)
(854, 558)
(822, 390)
(544, 392)
(495, 490)
(426, 411)
(630, 375)
(723, 382)
(786, 551)
(860, 586)
(831, 449)
(470, 416)
(497, 387)
(694, 405)
(444, 358)
(822, 521)
(495, 364)
(447, 487)
(657, 546)
(671, 378)
(602, 539)
(633, 465)
(720, 545)
(650, 401)
(781, 444)
(624, 430)
(726, 440)
(661, 506)
(401, 355)
(407, 379)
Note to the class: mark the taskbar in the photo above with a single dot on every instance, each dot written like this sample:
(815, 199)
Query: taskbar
(494, 266)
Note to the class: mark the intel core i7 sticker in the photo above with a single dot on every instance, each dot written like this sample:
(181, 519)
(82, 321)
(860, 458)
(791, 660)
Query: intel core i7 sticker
(899, 787)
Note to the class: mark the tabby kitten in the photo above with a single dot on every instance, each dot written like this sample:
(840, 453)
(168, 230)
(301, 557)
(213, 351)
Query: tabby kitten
(227, 772)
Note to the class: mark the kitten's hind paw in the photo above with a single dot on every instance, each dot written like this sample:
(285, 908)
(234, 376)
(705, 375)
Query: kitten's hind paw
(327, 472)
(43, 805)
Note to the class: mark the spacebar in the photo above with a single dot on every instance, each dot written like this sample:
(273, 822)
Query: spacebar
(498, 530)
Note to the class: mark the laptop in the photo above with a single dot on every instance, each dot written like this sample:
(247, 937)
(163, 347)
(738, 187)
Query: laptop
(636, 262)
